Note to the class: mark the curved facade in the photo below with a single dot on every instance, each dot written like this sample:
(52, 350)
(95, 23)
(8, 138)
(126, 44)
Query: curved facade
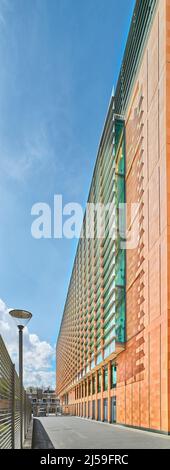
(113, 347)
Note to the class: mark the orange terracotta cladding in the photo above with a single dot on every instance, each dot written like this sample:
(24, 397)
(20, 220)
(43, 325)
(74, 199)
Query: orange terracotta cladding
(143, 368)
(142, 382)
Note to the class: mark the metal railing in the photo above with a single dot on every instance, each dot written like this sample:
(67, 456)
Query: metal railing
(10, 403)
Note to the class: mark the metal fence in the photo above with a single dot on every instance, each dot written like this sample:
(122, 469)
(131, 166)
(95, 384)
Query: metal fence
(10, 403)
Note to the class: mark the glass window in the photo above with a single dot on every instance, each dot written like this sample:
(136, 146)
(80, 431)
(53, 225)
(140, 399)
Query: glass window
(113, 376)
(109, 349)
(89, 409)
(105, 379)
(99, 381)
(99, 358)
(120, 268)
(110, 335)
(120, 318)
(93, 385)
(92, 364)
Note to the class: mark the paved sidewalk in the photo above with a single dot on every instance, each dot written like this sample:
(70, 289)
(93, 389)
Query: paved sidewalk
(28, 440)
(62, 432)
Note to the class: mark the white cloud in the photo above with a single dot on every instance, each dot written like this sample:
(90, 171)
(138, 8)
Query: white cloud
(38, 355)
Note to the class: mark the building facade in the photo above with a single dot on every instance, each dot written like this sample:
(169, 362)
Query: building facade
(113, 348)
(43, 401)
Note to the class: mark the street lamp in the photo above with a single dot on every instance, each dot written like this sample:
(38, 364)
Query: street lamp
(21, 318)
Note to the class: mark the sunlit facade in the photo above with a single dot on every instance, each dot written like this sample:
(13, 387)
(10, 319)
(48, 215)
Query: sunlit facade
(113, 346)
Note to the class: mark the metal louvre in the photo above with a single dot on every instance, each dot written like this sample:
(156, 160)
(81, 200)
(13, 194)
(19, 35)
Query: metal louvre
(17, 413)
(6, 397)
(10, 403)
(142, 17)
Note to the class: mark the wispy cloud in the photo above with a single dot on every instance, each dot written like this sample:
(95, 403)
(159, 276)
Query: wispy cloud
(34, 154)
(2, 19)
(4, 8)
(38, 355)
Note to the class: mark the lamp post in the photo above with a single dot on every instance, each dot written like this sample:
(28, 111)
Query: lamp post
(21, 318)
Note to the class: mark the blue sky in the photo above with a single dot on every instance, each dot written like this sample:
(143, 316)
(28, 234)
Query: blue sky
(59, 62)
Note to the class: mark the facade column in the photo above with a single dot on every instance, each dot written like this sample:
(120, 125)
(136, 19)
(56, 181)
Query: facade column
(87, 405)
(75, 401)
(82, 399)
(102, 390)
(96, 407)
(75, 396)
(109, 388)
(91, 396)
(86, 396)
(82, 403)
(79, 399)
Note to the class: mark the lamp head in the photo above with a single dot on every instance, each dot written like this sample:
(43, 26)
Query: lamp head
(21, 317)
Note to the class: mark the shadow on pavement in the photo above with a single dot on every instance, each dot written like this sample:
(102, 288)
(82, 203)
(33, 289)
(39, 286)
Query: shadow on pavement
(40, 439)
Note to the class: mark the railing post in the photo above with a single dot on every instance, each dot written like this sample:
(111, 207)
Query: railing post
(13, 408)
(20, 327)
(25, 414)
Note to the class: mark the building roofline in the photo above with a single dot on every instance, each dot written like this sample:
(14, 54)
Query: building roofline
(131, 58)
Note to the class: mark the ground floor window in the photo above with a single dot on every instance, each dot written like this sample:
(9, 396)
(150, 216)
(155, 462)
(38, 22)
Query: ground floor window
(113, 409)
(93, 409)
(105, 405)
(99, 410)
(89, 409)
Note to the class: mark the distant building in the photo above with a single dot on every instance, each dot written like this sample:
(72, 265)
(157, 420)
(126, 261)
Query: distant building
(43, 398)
